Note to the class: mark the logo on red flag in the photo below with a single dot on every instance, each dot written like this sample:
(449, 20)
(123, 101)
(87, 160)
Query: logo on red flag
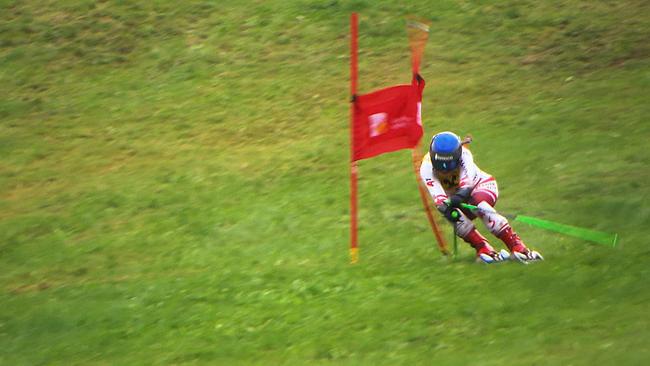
(378, 124)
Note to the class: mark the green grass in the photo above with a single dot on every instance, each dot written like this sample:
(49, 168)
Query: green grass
(174, 184)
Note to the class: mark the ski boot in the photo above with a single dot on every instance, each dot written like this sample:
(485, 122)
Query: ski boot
(517, 247)
(487, 254)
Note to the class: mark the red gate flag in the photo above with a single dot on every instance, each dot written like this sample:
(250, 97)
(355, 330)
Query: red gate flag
(387, 120)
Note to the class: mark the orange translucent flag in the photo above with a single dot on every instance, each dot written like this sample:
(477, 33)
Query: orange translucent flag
(418, 34)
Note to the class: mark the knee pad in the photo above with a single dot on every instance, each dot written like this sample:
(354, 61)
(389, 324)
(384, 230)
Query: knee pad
(463, 226)
(494, 222)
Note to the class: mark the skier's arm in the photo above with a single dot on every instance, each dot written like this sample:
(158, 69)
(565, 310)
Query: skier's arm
(431, 182)
(435, 190)
(468, 175)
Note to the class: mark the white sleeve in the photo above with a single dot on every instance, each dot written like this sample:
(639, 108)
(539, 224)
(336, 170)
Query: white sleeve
(431, 182)
(469, 172)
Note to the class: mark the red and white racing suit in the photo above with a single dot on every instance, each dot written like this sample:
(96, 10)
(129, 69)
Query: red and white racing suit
(484, 191)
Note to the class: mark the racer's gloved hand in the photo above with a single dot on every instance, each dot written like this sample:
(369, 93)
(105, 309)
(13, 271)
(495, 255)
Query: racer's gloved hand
(461, 196)
(452, 214)
(455, 201)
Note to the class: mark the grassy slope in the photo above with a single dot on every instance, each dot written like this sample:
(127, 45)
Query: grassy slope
(173, 184)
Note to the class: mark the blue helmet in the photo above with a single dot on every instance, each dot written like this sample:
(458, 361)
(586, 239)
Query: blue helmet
(445, 151)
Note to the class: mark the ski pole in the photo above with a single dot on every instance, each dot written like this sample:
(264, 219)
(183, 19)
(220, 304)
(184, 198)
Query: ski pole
(578, 232)
(455, 238)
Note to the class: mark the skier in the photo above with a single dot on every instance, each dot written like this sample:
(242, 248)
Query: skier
(452, 178)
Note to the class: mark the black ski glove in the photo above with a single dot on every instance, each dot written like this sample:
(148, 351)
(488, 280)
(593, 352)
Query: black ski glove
(455, 201)
(452, 214)
(461, 196)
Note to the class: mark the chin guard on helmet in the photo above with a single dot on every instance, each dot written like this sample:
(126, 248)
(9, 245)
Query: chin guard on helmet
(445, 151)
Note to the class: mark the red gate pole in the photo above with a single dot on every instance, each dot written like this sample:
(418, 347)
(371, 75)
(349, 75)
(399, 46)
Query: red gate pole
(354, 245)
